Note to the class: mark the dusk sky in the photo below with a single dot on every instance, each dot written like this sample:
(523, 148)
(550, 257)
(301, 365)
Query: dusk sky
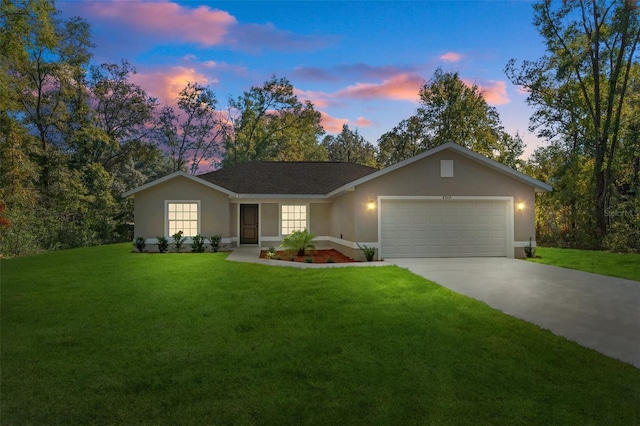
(360, 63)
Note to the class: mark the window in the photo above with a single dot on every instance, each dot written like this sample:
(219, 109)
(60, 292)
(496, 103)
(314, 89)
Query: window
(183, 217)
(294, 218)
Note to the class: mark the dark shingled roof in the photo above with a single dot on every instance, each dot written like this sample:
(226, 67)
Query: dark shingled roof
(270, 177)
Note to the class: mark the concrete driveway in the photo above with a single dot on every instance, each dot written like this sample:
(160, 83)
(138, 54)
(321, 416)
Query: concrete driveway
(599, 312)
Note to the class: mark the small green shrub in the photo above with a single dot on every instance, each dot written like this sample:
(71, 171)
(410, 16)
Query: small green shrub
(178, 240)
(215, 242)
(330, 260)
(308, 259)
(299, 242)
(140, 243)
(369, 252)
(530, 250)
(197, 244)
(271, 254)
(163, 244)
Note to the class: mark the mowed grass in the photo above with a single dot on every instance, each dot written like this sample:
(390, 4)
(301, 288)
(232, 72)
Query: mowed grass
(621, 265)
(104, 336)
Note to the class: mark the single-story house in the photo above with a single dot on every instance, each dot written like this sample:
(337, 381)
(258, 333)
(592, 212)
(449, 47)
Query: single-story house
(446, 202)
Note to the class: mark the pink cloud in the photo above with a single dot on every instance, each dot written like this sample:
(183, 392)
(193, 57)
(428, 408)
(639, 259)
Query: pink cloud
(400, 87)
(363, 122)
(138, 23)
(318, 99)
(166, 84)
(494, 92)
(451, 57)
(334, 125)
(164, 19)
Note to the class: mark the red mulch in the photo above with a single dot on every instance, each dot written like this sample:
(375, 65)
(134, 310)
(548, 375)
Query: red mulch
(319, 256)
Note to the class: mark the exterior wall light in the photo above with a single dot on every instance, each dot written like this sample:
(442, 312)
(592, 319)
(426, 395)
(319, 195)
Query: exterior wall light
(371, 205)
(520, 205)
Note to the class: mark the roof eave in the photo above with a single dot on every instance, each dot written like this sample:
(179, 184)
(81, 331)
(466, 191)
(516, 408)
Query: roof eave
(288, 196)
(174, 175)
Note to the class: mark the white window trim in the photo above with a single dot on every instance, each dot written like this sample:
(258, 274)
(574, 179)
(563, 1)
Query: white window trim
(166, 214)
(280, 216)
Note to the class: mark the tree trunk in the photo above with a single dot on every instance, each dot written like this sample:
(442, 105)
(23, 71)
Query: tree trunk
(601, 204)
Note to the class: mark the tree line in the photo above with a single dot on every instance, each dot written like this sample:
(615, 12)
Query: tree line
(74, 135)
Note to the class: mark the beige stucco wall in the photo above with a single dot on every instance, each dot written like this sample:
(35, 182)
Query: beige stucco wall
(269, 217)
(342, 218)
(320, 218)
(149, 210)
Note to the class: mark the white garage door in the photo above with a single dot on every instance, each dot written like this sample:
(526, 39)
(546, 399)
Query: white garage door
(443, 228)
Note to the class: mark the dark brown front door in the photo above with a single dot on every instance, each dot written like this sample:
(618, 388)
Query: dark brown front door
(248, 224)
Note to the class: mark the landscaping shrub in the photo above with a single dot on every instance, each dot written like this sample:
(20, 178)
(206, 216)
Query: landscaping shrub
(197, 245)
(299, 242)
(529, 250)
(163, 244)
(215, 242)
(140, 244)
(178, 241)
(369, 252)
(271, 253)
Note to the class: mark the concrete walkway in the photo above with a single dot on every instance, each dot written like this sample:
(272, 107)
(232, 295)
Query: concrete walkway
(596, 311)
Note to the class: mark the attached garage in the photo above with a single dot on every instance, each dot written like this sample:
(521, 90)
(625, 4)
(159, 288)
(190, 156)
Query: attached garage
(452, 227)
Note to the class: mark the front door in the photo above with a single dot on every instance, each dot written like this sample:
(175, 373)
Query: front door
(248, 224)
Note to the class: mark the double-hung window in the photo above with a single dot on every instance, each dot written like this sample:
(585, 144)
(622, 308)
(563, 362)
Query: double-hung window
(293, 218)
(183, 216)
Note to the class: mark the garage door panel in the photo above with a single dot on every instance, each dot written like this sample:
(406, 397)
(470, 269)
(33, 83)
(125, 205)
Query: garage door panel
(443, 228)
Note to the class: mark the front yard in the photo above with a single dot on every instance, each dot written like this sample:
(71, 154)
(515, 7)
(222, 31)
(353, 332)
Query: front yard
(621, 265)
(102, 336)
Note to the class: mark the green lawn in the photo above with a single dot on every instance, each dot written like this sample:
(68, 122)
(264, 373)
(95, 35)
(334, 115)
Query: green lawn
(103, 336)
(621, 265)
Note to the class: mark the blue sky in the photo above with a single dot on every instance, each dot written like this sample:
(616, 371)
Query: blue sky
(360, 63)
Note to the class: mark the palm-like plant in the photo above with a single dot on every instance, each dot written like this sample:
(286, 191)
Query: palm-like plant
(299, 241)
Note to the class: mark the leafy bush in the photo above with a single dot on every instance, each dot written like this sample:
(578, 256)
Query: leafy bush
(140, 243)
(299, 241)
(178, 240)
(369, 252)
(215, 242)
(197, 245)
(271, 253)
(529, 250)
(163, 244)
(308, 259)
(330, 260)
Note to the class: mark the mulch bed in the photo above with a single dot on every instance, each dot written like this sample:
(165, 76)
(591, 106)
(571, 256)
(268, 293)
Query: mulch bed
(318, 256)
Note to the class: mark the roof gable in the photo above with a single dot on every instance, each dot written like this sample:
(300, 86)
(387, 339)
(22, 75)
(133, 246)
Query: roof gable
(173, 176)
(538, 185)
